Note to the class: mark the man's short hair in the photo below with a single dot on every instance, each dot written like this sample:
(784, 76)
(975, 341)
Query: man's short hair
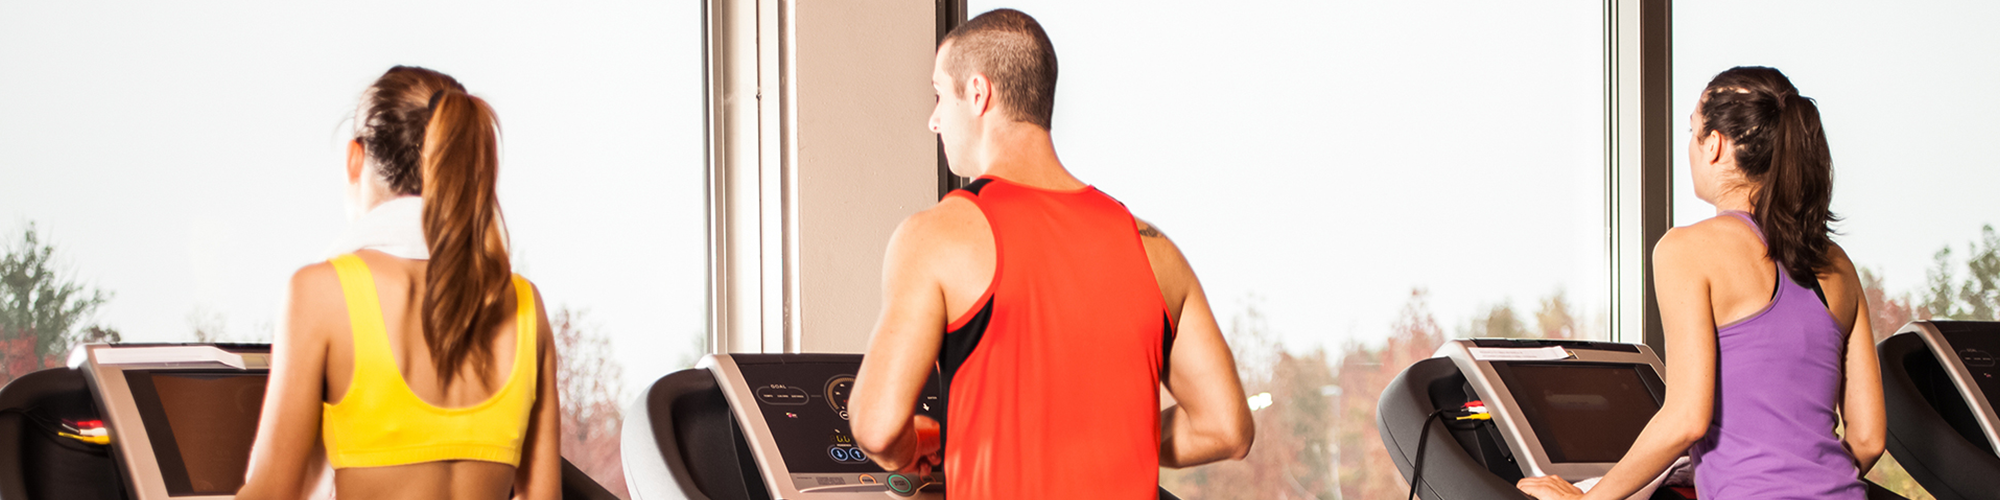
(1014, 53)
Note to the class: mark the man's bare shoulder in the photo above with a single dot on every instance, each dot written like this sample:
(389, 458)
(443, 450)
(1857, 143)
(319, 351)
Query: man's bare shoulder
(1171, 269)
(953, 221)
(950, 235)
(1159, 248)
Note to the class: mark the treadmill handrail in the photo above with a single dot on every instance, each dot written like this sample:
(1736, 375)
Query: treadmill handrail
(1449, 473)
(661, 463)
(1982, 410)
(1948, 464)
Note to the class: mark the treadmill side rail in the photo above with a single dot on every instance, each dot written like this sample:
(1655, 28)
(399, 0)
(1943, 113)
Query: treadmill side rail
(1449, 473)
(654, 468)
(1948, 463)
(1947, 356)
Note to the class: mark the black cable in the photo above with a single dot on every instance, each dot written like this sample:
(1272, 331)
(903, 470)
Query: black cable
(1423, 438)
(54, 428)
(49, 425)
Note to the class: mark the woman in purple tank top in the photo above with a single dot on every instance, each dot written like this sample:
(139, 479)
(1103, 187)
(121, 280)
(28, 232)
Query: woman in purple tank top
(1768, 343)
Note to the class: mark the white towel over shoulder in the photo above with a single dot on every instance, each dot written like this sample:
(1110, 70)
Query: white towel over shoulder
(395, 227)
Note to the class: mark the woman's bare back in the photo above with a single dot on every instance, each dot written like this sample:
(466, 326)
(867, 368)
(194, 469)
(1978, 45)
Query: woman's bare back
(399, 283)
(455, 480)
(1742, 278)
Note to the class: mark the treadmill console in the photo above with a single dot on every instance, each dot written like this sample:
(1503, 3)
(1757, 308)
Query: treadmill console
(181, 417)
(794, 416)
(1568, 408)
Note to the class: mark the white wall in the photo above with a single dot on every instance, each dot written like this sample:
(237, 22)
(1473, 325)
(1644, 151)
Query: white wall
(865, 157)
(819, 145)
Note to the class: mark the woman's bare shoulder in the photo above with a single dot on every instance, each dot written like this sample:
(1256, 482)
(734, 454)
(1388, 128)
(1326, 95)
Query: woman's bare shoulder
(544, 331)
(1837, 260)
(315, 282)
(314, 303)
(1841, 267)
(1705, 238)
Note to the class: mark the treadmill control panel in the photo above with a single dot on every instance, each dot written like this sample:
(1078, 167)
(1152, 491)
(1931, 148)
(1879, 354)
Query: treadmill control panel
(1976, 345)
(805, 406)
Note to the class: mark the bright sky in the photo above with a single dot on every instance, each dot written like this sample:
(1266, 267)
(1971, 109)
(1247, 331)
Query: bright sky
(188, 156)
(1324, 156)
(1330, 156)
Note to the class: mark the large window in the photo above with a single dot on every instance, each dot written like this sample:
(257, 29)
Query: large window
(1903, 93)
(184, 158)
(1355, 183)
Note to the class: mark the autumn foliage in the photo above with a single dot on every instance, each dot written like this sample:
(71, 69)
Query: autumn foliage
(1318, 439)
(591, 415)
(44, 310)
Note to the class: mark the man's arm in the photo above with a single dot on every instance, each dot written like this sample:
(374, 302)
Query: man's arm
(903, 351)
(1212, 420)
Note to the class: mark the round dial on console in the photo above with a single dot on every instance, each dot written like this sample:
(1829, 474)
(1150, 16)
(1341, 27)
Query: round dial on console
(837, 390)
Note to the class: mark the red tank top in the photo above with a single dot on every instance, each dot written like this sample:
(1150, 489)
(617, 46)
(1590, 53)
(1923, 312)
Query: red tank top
(1052, 378)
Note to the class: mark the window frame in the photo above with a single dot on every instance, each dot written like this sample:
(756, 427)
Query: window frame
(754, 304)
(1638, 51)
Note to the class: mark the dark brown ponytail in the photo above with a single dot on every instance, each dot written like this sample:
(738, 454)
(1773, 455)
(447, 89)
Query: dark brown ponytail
(1781, 148)
(429, 137)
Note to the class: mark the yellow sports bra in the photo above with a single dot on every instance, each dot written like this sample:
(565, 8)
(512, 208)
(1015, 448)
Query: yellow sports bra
(380, 422)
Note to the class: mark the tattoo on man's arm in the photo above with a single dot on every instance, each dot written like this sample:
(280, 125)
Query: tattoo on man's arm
(1150, 231)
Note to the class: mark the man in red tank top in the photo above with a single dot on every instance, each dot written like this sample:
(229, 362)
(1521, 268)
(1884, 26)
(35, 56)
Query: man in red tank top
(1052, 315)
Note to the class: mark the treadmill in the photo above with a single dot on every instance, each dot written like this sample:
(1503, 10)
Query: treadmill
(1565, 407)
(755, 427)
(760, 427)
(1939, 381)
(179, 418)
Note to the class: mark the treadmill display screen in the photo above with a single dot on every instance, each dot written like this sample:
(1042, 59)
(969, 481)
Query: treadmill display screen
(805, 405)
(201, 425)
(1583, 412)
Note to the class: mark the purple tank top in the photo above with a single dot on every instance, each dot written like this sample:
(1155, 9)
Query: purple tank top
(1778, 385)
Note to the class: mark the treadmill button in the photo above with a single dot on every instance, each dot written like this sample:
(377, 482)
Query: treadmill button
(839, 454)
(1975, 358)
(899, 483)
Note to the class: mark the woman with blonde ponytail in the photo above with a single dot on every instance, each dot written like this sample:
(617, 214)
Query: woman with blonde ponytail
(1769, 348)
(414, 363)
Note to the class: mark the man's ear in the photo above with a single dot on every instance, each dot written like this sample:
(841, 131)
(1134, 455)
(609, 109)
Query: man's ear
(980, 91)
(355, 154)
